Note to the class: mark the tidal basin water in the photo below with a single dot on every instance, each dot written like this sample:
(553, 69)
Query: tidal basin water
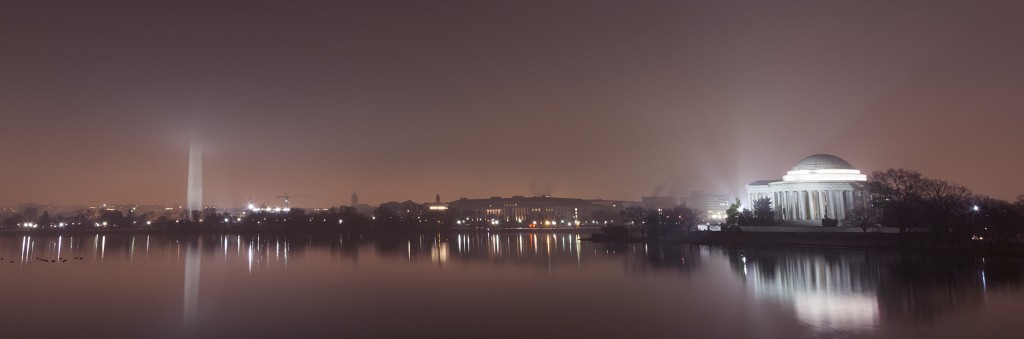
(490, 285)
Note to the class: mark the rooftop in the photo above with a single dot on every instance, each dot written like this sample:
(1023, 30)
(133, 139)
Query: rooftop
(820, 162)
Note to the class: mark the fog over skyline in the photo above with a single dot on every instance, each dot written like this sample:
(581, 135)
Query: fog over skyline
(401, 100)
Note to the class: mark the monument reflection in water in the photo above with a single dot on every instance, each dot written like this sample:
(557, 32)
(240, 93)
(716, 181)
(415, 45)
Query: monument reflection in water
(474, 284)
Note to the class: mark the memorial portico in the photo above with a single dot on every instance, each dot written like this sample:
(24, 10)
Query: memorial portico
(819, 186)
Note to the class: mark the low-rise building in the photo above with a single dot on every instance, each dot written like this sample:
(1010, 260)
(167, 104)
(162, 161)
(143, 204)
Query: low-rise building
(542, 211)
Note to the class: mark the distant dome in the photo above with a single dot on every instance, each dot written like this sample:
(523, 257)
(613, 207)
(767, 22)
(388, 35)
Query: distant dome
(821, 162)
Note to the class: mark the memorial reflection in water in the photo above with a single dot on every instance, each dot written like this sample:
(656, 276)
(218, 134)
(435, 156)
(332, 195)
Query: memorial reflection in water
(857, 290)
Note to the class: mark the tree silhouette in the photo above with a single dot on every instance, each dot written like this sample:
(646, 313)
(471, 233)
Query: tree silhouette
(863, 217)
(12, 221)
(945, 206)
(637, 217)
(763, 213)
(898, 192)
(732, 215)
(45, 220)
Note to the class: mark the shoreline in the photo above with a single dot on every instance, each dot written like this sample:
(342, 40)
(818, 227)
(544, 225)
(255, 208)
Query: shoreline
(361, 231)
(850, 241)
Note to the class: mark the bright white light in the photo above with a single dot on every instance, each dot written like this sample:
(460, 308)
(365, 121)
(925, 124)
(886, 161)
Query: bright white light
(975, 208)
(825, 175)
(829, 311)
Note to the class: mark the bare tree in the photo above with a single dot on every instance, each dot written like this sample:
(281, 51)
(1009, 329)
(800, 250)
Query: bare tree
(899, 192)
(947, 201)
(863, 218)
(637, 216)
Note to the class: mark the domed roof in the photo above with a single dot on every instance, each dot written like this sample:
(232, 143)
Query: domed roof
(820, 162)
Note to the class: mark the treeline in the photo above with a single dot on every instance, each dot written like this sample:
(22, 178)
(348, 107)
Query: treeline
(914, 203)
(387, 216)
(654, 224)
(761, 214)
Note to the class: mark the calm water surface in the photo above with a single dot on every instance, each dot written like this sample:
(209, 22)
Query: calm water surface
(479, 285)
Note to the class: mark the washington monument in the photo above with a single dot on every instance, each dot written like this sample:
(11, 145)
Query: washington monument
(195, 178)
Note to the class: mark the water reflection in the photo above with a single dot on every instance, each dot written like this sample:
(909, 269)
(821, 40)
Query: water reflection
(777, 272)
(857, 291)
(193, 260)
(827, 292)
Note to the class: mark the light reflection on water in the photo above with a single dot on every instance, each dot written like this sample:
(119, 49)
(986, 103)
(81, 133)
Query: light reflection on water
(475, 282)
(826, 295)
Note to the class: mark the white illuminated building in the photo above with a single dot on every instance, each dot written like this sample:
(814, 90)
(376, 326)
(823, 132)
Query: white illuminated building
(819, 186)
(194, 200)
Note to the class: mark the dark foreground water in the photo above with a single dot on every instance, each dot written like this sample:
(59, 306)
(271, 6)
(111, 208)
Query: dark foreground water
(480, 285)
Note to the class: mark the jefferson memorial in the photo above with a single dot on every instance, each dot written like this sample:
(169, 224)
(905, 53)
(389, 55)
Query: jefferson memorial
(819, 186)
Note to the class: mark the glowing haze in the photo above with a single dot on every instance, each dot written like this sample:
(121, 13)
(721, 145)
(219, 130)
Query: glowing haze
(406, 99)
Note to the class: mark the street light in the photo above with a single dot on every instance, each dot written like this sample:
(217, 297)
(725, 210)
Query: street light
(974, 219)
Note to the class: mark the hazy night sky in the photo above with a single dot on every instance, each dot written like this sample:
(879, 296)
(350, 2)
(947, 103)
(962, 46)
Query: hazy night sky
(404, 99)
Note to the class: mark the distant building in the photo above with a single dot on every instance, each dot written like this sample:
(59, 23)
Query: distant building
(542, 211)
(437, 205)
(363, 209)
(659, 203)
(711, 207)
(819, 186)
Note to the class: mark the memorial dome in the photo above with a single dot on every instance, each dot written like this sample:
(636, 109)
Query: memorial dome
(822, 162)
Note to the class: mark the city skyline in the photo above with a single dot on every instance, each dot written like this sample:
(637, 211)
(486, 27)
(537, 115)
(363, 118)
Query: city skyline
(194, 195)
(512, 168)
(402, 101)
